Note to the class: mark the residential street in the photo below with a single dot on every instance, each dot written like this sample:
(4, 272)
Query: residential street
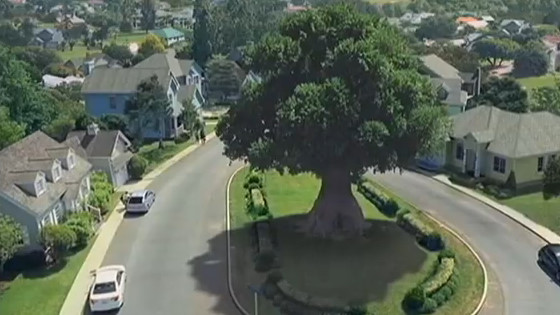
(509, 249)
(176, 254)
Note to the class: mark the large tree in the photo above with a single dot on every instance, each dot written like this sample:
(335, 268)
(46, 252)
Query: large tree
(342, 93)
(150, 107)
(10, 131)
(224, 78)
(505, 93)
(496, 50)
(459, 57)
(148, 11)
(436, 28)
(546, 98)
(11, 238)
(530, 61)
(201, 47)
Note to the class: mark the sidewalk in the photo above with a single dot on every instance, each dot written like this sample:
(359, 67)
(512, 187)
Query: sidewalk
(77, 296)
(539, 230)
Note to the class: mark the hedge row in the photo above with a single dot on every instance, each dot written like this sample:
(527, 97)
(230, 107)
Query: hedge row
(255, 200)
(437, 289)
(426, 236)
(388, 206)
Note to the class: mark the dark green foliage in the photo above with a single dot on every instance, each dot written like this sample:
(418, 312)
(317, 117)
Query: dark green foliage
(414, 299)
(82, 224)
(425, 235)
(436, 28)
(102, 190)
(60, 237)
(224, 79)
(274, 276)
(505, 93)
(446, 253)
(114, 122)
(253, 178)
(265, 261)
(459, 57)
(119, 52)
(530, 62)
(11, 238)
(137, 166)
(256, 203)
(551, 178)
(202, 47)
(496, 50)
(386, 205)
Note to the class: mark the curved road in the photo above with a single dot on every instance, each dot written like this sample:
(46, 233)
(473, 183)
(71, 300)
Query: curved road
(176, 254)
(506, 247)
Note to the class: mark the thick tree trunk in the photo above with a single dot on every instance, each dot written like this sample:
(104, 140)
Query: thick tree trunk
(336, 212)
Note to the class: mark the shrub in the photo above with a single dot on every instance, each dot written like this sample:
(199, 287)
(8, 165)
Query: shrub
(82, 225)
(60, 237)
(257, 204)
(387, 206)
(432, 241)
(441, 276)
(102, 190)
(182, 138)
(446, 253)
(429, 306)
(265, 261)
(425, 235)
(401, 213)
(253, 178)
(414, 299)
(137, 166)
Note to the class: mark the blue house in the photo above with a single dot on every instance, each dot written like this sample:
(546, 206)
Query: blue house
(107, 90)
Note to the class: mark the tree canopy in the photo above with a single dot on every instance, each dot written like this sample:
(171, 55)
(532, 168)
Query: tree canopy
(436, 27)
(530, 61)
(341, 93)
(505, 93)
(496, 50)
(11, 238)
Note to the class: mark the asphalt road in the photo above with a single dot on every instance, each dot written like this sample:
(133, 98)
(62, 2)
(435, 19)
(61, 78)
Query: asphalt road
(176, 254)
(506, 247)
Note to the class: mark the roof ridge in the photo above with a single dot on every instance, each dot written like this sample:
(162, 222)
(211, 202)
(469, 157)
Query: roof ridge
(517, 132)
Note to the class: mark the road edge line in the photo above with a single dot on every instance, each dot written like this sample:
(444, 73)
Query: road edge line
(228, 229)
(458, 236)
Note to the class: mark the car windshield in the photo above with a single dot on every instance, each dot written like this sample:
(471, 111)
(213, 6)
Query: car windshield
(105, 287)
(135, 200)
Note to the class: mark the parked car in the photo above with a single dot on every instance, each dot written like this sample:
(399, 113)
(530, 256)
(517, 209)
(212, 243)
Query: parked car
(140, 201)
(107, 289)
(549, 258)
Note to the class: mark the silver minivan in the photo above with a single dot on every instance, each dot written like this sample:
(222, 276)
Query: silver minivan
(140, 201)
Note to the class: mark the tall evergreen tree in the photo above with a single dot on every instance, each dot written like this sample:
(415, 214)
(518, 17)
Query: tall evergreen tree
(202, 49)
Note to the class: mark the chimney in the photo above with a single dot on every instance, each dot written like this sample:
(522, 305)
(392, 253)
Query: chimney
(478, 82)
(88, 66)
(92, 129)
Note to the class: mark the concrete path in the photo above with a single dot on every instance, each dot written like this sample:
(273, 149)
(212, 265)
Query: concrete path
(517, 285)
(77, 296)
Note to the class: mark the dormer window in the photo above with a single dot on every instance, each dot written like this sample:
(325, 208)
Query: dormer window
(56, 173)
(70, 160)
(40, 185)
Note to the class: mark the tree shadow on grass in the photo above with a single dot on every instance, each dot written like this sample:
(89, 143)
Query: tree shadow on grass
(358, 270)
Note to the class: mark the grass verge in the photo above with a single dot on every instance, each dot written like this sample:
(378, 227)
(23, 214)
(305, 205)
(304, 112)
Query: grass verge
(536, 82)
(376, 270)
(42, 291)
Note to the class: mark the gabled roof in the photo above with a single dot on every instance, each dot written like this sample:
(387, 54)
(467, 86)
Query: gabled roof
(508, 134)
(168, 33)
(165, 61)
(439, 67)
(121, 80)
(19, 164)
(100, 145)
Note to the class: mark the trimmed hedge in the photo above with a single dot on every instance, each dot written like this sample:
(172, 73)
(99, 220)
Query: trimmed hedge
(327, 304)
(255, 200)
(437, 289)
(388, 206)
(425, 235)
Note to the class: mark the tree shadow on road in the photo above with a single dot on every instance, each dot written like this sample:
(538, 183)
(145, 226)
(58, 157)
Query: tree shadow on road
(358, 270)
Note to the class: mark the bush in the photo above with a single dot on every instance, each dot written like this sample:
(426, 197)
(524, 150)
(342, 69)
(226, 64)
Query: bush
(446, 253)
(254, 179)
(137, 166)
(429, 306)
(425, 235)
(265, 261)
(60, 237)
(414, 299)
(257, 204)
(440, 277)
(182, 138)
(82, 224)
(102, 191)
(387, 206)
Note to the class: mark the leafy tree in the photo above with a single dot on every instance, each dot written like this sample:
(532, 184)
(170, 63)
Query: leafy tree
(184, 52)
(458, 57)
(152, 44)
(71, 91)
(5, 8)
(60, 238)
(127, 10)
(201, 47)
(148, 11)
(10, 131)
(505, 93)
(342, 94)
(190, 116)
(551, 178)
(223, 78)
(496, 50)
(150, 106)
(58, 70)
(530, 61)
(38, 58)
(119, 52)
(552, 17)
(137, 166)
(546, 98)
(436, 27)
(116, 122)
(102, 190)
(59, 128)
(11, 238)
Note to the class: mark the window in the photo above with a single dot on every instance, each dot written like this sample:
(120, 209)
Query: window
(459, 152)
(189, 81)
(70, 161)
(56, 172)
(104, 287)
(119, 277)
(499, 165)
(552, 157)
(196, 79)
(40, 186)
(58, 212)
(540, 163)
(112, 102)
(136, 200)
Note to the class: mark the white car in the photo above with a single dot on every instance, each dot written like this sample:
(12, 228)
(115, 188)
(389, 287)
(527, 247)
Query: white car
(140, 201)
(107, 290)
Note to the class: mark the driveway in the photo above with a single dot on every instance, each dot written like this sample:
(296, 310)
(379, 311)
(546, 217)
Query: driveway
(176, 254)
(506, 247)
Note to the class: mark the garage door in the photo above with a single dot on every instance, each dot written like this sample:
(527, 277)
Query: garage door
(121, 176)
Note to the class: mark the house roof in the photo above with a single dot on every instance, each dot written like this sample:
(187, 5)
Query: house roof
(439, 67)
(168, 32)
(478, 24)
(54, 81)
(487, 18)
(186, 92)
(121, 80)
(166, 61)
(19, 165)
(508, 134)
(100, 145)
(46, 35)
(464, 19)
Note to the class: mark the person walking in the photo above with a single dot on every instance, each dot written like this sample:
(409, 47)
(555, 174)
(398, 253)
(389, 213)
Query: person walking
(202, 135)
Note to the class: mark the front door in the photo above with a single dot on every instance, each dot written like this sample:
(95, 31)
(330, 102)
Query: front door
(470, 162)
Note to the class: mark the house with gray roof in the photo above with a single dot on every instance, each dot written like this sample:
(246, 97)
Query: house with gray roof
(107, 90)
(453, 87)
(106, 150)
(47, 38)
(40, 181)
(512, 27)
(492, 143)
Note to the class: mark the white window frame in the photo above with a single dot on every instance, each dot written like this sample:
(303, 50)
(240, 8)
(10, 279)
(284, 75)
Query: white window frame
(71, 161)
(56, 172)
(501, 165)
(40, 186)
(540, 164)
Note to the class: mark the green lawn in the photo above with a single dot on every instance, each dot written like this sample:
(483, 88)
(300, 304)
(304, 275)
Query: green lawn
(80, 50)
(42, 291)
(377, 270)
(536, 82)
(536, 208)
(155, 156)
